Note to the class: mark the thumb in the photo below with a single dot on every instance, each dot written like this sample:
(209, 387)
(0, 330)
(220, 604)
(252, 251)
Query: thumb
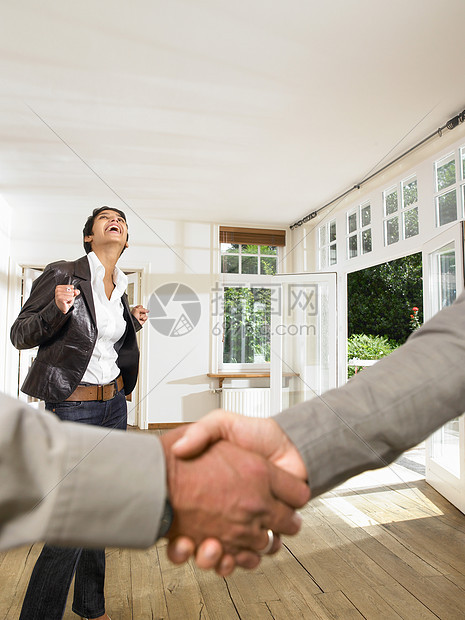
(200, 435)
(76, 292)
(194, 441)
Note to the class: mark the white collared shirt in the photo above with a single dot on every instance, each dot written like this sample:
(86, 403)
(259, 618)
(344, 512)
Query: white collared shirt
(111, 325)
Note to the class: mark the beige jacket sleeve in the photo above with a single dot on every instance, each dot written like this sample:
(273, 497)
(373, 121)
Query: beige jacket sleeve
(387, 408)
(75, 484)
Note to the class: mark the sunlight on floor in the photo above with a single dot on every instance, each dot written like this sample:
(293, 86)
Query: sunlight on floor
(400, 477)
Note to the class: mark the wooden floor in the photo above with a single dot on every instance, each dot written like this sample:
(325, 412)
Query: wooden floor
(385, 545)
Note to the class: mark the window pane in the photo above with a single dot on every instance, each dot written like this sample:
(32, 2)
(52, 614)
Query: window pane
(447, 208)
(268, 249)
(229, 264)
(446, 447)
(448, 277)
(323, 236)
(366, 215)
(411, 227)
(392, 231)
(249, 249)
(229, 248)
(390, 202)
(445, 172)
(462, 155)
(352, 246)
(332, 254)
(332, 231)
(410, 192)
(247, 318)
(323, 263)
(366, 241)
(249, 264)
(352, 222)
(268, 265)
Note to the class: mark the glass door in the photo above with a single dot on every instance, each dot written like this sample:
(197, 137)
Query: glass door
(443, 281)
(303, 338)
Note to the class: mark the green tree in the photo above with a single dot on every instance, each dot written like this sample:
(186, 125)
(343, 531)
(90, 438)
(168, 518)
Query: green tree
(381, 298)
(247, 320)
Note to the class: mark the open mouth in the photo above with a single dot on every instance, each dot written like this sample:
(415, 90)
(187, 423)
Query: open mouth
(113, 228)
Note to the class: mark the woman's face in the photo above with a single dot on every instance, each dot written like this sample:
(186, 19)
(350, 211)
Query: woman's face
(109, 228)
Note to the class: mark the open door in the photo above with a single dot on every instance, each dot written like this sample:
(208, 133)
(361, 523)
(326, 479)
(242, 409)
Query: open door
(443, 281)
(27, 356)
(134, 298)
(303, 338)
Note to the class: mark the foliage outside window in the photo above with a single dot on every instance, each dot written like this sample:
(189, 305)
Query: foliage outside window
(382, 301)
(359, 239)
(247, 325)
(327, 244)
(249, 259)
(381, 298)
(367, 347)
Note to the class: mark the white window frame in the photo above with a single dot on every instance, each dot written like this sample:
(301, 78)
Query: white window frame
(458, 187)
(278, 257)
(402, 210)
(324, 249)
(239, 281)
(406, 209)
(359, 230)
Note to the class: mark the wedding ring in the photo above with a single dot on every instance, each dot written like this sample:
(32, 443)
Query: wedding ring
(269, 544)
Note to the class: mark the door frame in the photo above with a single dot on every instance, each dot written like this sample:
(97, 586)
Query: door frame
(444, 481)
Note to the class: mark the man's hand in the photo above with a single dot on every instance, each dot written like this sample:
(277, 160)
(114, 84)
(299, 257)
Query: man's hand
(265, 437)
(262, 436)
(231, 494)
(140, 313)
(65, 294)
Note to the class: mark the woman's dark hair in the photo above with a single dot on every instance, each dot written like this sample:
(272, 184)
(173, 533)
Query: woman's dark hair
(89, 226)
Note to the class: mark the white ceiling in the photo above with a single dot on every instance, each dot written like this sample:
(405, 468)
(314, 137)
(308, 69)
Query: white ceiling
(251, 111)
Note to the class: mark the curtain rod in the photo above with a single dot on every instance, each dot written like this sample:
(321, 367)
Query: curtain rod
(451, 124)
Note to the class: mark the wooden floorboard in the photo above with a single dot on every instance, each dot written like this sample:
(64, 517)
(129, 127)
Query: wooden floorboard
(383, 546)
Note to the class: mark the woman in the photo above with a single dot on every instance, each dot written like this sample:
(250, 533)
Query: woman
(78, 315)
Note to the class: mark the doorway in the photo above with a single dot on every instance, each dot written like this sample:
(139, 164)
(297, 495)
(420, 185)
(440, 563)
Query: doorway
(384, 306)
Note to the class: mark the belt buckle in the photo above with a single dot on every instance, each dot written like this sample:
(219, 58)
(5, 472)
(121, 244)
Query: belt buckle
(111, 390)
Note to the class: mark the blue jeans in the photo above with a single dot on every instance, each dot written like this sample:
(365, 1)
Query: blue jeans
(55, 567)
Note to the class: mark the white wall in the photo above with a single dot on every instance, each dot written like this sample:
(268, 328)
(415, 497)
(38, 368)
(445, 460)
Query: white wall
(5, 233)
(173, 377)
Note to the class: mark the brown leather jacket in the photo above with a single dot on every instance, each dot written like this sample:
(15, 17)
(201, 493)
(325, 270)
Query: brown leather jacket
(66, 341)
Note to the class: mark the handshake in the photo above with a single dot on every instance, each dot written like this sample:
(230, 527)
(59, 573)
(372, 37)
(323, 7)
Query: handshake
(234, 484)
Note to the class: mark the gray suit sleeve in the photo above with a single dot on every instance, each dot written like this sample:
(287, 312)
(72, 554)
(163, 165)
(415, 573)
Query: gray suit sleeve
(74, 484)
(385, 409)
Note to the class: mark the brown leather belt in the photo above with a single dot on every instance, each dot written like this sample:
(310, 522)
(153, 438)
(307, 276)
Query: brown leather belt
(97, 392)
